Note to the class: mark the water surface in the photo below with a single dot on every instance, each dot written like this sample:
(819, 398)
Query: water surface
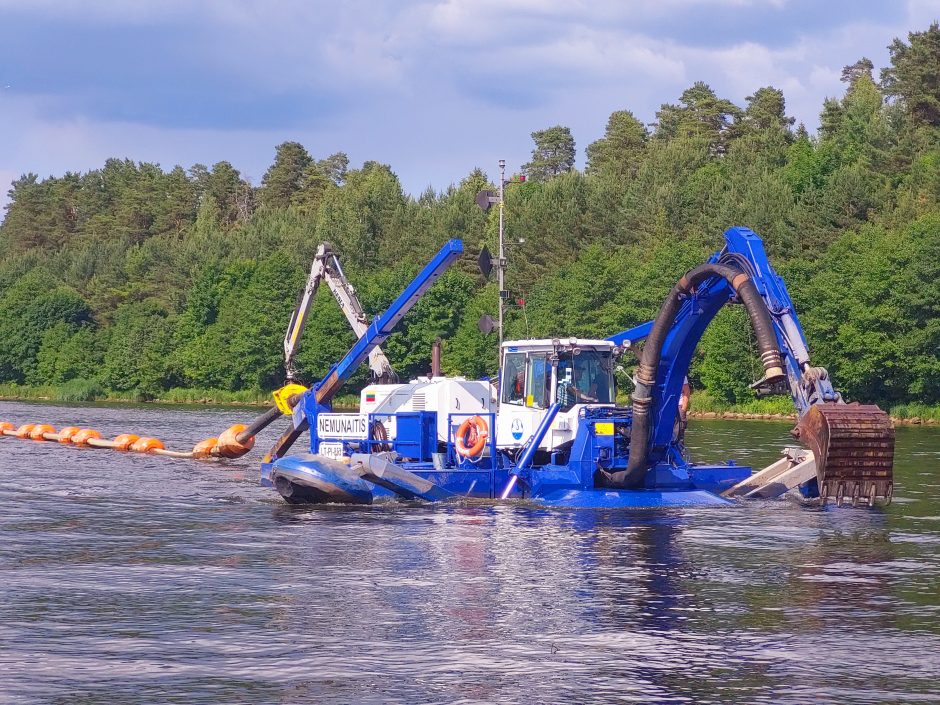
(131, 579)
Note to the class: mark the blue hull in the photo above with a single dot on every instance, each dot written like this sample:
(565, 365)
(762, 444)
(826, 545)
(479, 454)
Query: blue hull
(313, 479)
(630, 499)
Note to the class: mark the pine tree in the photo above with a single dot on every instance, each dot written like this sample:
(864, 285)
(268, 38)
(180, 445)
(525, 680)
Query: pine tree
(766, 110)
(853, 72)
(619, 151)
(554, 153)
(700, 114)
(286, 175)
(914, 75)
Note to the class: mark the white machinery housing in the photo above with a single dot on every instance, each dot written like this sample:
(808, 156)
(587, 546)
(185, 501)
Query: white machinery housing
(445, 395)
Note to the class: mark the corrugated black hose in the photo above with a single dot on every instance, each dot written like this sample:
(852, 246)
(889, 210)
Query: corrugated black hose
(648, 370)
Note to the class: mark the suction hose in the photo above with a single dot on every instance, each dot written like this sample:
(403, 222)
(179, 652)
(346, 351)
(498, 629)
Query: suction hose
(648, 370)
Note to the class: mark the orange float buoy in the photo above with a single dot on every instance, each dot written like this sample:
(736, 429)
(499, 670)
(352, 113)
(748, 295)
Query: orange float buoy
(6, 426)
(125, 441)
(65, 434)
(24, 430)
(204, 449)
(82, 437)
(229, 446)
(145, 445)
(39, 429)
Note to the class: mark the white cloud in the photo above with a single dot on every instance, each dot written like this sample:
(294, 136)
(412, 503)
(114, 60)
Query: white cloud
(596, 54)
(411, 81)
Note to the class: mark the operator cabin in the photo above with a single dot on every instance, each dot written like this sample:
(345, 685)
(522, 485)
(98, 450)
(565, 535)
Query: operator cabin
(538, 373)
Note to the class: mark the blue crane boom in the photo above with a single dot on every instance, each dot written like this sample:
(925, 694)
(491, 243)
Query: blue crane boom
(317, 399)
(385, 323)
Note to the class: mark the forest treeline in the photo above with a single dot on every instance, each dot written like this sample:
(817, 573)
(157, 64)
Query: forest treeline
(137, 280)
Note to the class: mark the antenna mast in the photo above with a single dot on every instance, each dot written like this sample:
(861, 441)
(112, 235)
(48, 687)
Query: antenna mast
(501, 260)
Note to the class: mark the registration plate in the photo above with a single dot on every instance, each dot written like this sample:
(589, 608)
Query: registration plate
(332, 450)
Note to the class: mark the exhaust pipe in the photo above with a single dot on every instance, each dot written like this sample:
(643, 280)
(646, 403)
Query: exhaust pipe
(436, 358)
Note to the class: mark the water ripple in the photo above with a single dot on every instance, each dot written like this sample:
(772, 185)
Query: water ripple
(135, 580)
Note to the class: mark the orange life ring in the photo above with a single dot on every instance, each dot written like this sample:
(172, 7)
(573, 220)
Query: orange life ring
(471, 437)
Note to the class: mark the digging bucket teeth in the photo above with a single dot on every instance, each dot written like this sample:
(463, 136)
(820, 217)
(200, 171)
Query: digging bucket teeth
(854, 449)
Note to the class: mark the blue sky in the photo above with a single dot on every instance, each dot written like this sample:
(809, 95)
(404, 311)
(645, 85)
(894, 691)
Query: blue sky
(432, 88)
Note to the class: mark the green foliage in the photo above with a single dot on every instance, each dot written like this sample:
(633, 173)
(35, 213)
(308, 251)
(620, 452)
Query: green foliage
(468, 351)
(853, 72)
(436, 315)
(33, 306)
(704, 402)
(232, 196)
(139, 345)
(700, 114)
(923, 412)
(873, 313)
(728, 363)
(766, 111)
(73, 391)
(129, 280)
(286, 176)
(67, 353)
(188, 395)
(241, 347)
(80, 390)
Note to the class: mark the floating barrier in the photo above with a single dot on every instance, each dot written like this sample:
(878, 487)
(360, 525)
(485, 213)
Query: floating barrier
(231, 443)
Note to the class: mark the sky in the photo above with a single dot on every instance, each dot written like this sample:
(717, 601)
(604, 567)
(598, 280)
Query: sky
(433, 88)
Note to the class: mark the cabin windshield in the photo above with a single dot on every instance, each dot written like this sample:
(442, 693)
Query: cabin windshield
(584, 377)
(539, 388)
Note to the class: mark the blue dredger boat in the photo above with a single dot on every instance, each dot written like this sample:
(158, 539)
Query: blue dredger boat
(549, 431)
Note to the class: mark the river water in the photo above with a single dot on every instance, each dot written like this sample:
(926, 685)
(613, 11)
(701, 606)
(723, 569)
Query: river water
(133, 579)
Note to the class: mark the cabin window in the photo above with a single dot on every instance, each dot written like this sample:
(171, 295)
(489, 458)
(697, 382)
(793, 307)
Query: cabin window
(539, 390)
(513, 382)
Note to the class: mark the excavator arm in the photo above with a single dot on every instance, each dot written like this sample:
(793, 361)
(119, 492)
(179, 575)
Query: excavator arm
(853, 444)
(326, 267)
(318, 398)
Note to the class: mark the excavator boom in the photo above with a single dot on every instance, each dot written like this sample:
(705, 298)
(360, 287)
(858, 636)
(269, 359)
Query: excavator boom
(326, 267)
(853, 444)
